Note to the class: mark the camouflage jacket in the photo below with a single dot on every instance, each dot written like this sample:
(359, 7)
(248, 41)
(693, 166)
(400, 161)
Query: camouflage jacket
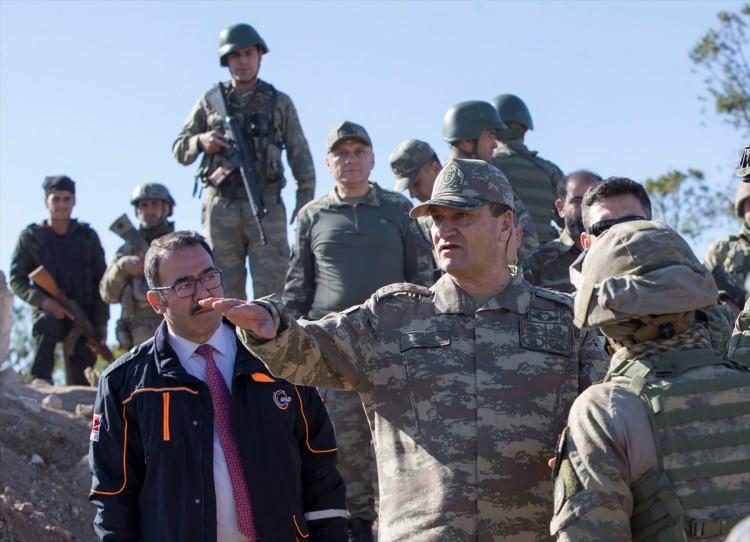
(343, 252)
(535, 181)
(465, 402)
(75, 260)
(614, 477)
(548, 265)
(269, 117)
(117, 286)
(732, 255)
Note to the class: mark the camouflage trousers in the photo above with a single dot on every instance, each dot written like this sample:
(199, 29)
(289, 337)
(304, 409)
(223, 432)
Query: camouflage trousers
(233, 235)
(133, 332)
(356, 458)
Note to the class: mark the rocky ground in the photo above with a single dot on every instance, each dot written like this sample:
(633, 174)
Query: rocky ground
(44, 476)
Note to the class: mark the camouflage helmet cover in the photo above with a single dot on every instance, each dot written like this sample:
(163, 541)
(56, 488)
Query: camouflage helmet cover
(640, 268)
(152, 191)
(236, 37)
(467, 120)
(467, 184)
(511, 108)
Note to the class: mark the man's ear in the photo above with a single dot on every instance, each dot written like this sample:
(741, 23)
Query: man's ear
(156, 302)
(585, 240)
(560, 206)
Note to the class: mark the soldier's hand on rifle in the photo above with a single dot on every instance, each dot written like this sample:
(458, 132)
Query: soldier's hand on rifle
(55, 309)
(244, 314)
(212, 142)
(132, 265)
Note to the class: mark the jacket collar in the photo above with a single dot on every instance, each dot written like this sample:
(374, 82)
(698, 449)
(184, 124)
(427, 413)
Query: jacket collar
(168, 364)
(448, 298)
(372, 198)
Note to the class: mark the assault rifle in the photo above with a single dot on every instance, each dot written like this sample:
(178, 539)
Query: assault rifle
(237, 156)
(41, 277)
(736, 294)
(124, 228)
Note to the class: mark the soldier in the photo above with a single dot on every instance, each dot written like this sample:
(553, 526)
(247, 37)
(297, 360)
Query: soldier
(123, 281)
(659, 450)
(416, 165)
(470, 127)
(71, 252)
(271, 125)
(729, 259)
(548, 264)
(534, 179)
(348, 244)
(465, 384)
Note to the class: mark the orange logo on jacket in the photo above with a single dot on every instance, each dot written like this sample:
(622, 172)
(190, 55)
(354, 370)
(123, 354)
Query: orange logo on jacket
(281, 399)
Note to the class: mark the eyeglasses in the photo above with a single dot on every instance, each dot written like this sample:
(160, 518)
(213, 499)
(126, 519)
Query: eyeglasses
(187, 287)
(603, 225)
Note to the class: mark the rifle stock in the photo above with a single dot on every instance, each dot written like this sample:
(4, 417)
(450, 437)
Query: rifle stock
(123, 227)
(41, 277)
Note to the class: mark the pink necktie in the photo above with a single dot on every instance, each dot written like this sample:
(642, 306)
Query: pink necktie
(221, 400)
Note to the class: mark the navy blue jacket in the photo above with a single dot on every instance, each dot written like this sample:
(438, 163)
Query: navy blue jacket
(151, 452)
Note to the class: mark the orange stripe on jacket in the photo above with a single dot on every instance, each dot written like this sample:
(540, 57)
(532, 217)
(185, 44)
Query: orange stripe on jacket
(165, 421)
(124, 463)
(307, 428)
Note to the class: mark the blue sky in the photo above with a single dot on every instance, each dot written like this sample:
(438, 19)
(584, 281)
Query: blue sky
(99, 90)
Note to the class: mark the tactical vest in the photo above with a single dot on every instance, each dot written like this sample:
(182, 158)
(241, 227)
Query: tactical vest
(737, 261)
(256, 112)
(65, 257)
(701, 423)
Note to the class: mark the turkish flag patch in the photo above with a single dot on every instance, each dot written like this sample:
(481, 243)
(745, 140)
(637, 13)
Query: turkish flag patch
(95, 424)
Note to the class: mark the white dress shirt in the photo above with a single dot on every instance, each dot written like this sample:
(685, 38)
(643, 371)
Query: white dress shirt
(225, 349)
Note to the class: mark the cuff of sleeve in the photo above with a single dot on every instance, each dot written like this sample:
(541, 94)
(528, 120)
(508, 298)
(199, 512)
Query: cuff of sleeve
(268, 304)
(36, 298)
(194, 146)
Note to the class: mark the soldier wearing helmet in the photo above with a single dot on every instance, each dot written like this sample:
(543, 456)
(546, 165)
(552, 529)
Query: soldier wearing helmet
(469, 127)
(658, 451)
(270, 125)
(123, 280)
(534, 179)
(729, 259)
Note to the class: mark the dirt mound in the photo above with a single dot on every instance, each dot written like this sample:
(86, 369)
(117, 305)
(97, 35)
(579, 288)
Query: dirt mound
(44, 476)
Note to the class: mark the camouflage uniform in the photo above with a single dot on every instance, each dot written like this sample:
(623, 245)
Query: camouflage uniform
(464, 402)
(659, 450)
(733, 256)
(549, 264)
(270, 120)
(535, 181)
(338, 260)
(138, 321)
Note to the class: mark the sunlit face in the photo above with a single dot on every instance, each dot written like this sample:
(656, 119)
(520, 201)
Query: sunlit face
(469, 243)
(151, 212)
(571, 209)
(350, 162)
(486, 144)
(746, 211)
(244, 64)
(425, 179)
(612, 208)
(184, 316)
(60, 204)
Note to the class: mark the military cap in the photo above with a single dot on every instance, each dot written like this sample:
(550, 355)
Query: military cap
(640, 268)
(347, 130)
(467, 184)
(743, 168)
(406, 161)
(58, 182)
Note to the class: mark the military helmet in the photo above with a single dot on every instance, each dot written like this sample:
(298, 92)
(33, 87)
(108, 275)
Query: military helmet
(236, 37)
(743, 168)
(743, 192)
(467, 120)
(640, 268)
(512, 109)
(152, 191)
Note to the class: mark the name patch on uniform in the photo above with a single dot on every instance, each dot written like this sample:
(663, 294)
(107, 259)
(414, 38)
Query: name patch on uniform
(424, 339)
(95, 424)
(281, 399)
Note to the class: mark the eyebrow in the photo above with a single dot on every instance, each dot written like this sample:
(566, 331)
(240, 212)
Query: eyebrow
(189, 277)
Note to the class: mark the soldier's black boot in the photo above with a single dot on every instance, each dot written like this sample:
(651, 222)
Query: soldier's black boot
(360, 530)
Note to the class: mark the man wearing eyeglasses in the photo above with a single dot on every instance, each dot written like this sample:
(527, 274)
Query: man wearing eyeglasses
(193, 439)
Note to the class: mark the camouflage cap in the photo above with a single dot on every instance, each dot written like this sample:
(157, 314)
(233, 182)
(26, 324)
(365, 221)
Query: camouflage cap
(406, 161)
(640, 268)
(347, 130)
(743, 168)
(58, 182)
(467, 184)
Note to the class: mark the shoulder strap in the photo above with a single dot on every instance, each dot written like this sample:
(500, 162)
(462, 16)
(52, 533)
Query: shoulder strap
(402, 288)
